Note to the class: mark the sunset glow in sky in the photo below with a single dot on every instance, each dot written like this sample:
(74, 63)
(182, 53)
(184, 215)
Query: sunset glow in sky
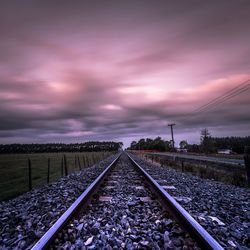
(74, 71)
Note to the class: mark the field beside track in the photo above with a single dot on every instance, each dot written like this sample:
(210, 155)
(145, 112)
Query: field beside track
(233, 174)
(14, 169)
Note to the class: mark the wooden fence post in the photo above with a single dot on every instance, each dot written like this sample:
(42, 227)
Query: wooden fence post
(87, 160)
(75, 161)
(161, 162)
(182, 166)
(30, 174)
(62, 167)
(247, 163)
(65, 165)
(79, 164)
(83, 160)
(48, 170)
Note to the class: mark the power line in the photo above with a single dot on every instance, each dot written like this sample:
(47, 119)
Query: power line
(241, 88)
(241, 85)
(228, 95)
(226, 98)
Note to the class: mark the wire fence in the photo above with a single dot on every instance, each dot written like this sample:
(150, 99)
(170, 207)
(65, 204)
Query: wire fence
(20, 173)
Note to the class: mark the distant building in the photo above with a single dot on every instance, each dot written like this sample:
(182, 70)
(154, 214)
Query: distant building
(224, 151)
(181, 150)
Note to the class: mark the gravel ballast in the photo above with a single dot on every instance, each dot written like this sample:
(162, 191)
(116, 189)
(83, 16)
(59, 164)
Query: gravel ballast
(223, 210)
(124, 214)
(25, 219)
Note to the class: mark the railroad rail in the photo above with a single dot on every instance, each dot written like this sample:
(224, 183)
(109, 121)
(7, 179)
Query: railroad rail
(192, 226)
(199, 234)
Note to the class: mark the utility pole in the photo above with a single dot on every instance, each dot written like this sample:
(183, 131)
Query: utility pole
(247, 164)
(172, 133)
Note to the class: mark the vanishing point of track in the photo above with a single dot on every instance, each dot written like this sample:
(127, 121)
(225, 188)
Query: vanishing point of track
(142, 207)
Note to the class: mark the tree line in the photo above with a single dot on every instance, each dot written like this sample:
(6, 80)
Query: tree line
(150, 144)
(208, 144)
(236, 144)
(91, 146)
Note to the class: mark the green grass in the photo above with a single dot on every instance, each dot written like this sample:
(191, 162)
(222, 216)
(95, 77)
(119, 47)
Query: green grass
(230, 174)
(14, 169)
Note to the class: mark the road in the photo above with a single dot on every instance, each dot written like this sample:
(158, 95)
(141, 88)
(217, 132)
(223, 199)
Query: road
(205, 158)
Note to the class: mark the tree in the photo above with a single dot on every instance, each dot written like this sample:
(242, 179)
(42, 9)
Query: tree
(207, 143)
(183, 144)
(133, 145)
(236, 144)
(159, 144)
(149, 144)
(204, 134)
(193, 148)
(141, 144)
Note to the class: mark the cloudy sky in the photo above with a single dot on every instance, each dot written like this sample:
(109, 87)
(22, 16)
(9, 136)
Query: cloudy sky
(119, 70)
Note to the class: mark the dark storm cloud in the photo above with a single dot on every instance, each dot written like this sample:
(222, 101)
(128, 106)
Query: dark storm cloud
(114, 69)
(85, 108)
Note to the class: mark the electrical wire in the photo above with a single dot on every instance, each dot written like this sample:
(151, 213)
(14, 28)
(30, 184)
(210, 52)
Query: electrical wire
(241, 88)
(226, 96)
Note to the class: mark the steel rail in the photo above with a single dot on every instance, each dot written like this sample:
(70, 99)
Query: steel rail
(191, 225)
(50, 235)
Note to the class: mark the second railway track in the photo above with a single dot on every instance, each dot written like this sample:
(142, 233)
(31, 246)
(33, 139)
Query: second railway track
(126, 209)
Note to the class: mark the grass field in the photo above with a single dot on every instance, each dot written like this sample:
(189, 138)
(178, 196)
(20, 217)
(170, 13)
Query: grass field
(230, 174)
(14, 169)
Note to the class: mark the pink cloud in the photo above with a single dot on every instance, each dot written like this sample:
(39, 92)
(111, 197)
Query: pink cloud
(120, 70)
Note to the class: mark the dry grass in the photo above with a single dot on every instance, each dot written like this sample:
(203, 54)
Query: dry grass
(235, 175)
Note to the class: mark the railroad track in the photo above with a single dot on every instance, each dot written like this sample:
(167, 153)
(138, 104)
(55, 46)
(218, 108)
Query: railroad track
(125, 208)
